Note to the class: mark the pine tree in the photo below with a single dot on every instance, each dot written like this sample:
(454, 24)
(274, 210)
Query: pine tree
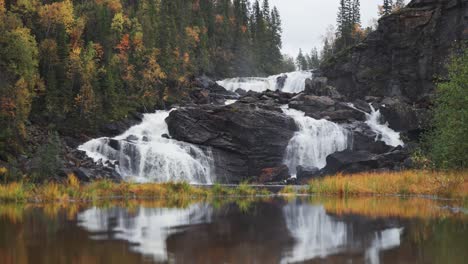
(301, 61)
(387, 7)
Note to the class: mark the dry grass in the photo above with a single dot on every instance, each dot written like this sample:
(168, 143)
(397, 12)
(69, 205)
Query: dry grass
(72, 190)
(442, 184)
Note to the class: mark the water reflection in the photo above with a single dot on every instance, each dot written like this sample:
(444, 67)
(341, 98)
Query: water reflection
(147, 229)
(318, 230)
(318, 234)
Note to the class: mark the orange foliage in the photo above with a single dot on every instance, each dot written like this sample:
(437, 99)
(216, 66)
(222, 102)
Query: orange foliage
(99, 50)
(244, 29)
(219, 19)
(193, 33)
(7, 106)
(2, 5)
(114, 5)
(124, 44)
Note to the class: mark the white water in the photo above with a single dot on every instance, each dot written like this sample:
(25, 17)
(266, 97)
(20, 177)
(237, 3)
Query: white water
(295, 82)
(145, 155)
(315, 140)
(384, 132)
(147, 229)
(317, 235)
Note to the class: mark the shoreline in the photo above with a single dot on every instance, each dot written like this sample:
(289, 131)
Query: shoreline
(405, 184)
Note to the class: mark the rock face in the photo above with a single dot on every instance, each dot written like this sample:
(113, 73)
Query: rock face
(245, 139)
(207, 91)
(404, 55)
(349, 161)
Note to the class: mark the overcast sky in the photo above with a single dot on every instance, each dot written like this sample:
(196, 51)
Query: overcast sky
(305, 21)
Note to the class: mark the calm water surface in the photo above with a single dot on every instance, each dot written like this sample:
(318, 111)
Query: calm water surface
(273, 230)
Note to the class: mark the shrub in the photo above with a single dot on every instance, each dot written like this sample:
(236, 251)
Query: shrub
(448, 140)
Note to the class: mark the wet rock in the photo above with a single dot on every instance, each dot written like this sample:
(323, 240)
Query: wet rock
(311, 104)
(132, 138)
(256, 136)
(305, 173)
(349, 161)
(115, 144)
(276, 174)
(364, 139)
(281, 80)
(241, 92)
(319, 86)
(403, 117)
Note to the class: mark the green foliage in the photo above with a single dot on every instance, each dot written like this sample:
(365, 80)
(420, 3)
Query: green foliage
(78, 63)
(49, 161)
(448, 141)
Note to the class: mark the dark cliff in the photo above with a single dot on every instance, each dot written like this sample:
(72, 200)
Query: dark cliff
(404, 55)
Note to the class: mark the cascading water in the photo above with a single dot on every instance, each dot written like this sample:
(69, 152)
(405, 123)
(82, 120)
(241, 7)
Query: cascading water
(384, 132)
(143, 154)
(315, 140)
(294, 83)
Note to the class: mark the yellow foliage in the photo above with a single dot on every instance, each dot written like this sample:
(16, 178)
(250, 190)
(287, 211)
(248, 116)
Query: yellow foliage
(73, 182)
(2, 5)
(3, 170)
(57, 13)
(193, 33)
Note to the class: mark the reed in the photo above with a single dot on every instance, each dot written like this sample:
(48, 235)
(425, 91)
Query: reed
(411, 182)
(73, 190)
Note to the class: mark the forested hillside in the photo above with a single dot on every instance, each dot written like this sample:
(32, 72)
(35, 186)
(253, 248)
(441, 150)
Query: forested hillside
(71, 64)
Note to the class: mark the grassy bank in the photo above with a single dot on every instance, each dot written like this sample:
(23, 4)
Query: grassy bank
(414, 182)
(441, 184)
(73, 190)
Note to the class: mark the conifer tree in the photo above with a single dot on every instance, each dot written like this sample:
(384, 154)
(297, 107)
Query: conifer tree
(387, 7)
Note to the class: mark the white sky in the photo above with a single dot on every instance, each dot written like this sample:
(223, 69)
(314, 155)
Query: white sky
(305, 21)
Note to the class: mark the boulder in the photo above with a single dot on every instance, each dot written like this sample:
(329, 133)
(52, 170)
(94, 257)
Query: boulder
(305, 173)
(364, 139)
(257, 138)
(311, 104)
(349, 161)
(280, 81)
(403, 117)
(276, 174)
(319, 86)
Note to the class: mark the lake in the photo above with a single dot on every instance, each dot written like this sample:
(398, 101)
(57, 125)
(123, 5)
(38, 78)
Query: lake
(261, 230)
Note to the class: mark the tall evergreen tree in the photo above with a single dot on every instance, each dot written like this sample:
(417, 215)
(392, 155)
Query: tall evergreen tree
(301, 61)
(387, 7)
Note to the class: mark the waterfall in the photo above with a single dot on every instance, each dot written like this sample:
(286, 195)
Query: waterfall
(383, 131)
(294, 83)
(315, 140)
(143, 154)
